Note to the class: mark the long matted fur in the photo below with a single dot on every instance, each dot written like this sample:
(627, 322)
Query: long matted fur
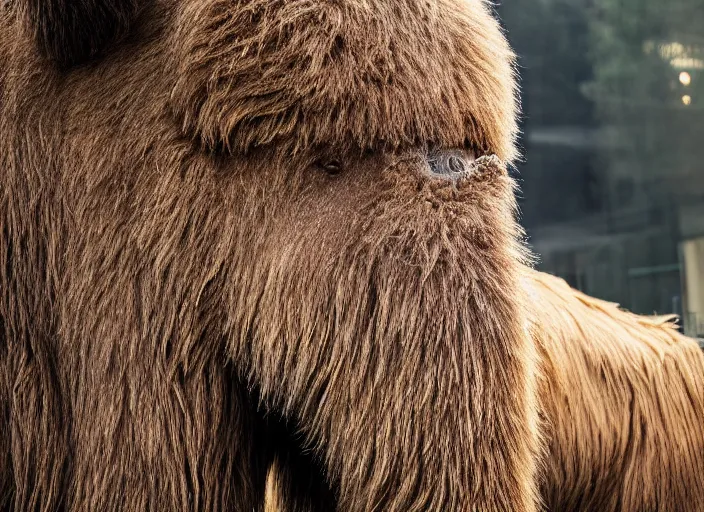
(360, 72)
(180, 269)
(622, 404)
(623, 399)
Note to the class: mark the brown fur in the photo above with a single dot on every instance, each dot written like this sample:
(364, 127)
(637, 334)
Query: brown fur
(428, 71)
(70, 32)
(623, 406)
(623, 396)
(175, 263)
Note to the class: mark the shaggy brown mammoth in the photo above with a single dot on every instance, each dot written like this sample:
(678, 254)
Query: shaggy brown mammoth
(622, 400)
(229, 227)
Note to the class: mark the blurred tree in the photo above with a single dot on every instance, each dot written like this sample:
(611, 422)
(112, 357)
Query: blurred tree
(647, 58)
(613, 131)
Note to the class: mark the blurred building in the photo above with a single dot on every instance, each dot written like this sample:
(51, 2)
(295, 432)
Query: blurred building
(613, 142)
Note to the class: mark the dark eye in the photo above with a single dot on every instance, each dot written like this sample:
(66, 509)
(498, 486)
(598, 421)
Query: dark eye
(331, 167)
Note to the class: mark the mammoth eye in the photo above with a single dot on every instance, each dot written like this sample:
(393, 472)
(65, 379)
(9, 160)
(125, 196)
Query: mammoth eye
(332, 167)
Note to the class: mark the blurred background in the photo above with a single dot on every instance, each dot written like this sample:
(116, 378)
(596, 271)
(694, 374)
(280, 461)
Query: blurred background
(613, 143)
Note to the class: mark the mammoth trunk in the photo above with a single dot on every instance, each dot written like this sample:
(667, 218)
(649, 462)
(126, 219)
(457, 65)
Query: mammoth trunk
(405, 362)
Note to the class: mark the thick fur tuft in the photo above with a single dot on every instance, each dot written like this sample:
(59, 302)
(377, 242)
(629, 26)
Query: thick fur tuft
(353, 72)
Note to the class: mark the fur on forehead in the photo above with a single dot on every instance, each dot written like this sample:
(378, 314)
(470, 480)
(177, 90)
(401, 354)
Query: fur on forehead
(344, 73)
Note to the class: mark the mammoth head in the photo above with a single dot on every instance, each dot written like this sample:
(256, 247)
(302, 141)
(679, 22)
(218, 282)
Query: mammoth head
(318, 185)
(294, 138)
(404, 101)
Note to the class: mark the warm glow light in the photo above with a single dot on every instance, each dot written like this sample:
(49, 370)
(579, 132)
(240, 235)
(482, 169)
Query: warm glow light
(686, 99)
(685, 78)
(672, 50)
(687, 62)
(679, 56)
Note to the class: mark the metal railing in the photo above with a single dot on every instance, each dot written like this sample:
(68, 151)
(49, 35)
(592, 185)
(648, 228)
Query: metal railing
(694, 324)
